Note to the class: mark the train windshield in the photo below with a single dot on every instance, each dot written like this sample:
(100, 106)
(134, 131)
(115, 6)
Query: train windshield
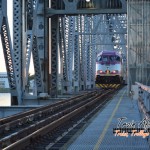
(102, 58)
(99, 58)
(106, 58)
(114, 58)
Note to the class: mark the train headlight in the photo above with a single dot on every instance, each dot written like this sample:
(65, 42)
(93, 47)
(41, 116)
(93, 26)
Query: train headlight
(100, 71)
(115, 71)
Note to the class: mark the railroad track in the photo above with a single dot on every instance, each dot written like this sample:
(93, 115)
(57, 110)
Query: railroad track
(44, 127)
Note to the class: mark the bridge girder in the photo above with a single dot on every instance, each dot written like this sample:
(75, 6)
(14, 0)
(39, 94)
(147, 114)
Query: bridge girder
(32, 27)
(76, 7)
(14, 83)
(138, 42)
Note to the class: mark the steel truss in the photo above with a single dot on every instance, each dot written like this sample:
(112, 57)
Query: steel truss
(26, 23)
(76, 53)
(75, 7)
(26, 40)
(73, 38)
(8, 55)
(138, 42)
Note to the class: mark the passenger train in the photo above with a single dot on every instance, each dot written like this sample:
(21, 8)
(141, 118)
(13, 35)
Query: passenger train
(109, 66)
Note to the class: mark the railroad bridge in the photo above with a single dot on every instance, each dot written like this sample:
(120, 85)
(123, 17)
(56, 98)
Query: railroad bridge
(63, 37)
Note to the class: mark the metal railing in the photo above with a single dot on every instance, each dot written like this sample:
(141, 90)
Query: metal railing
(144, 100)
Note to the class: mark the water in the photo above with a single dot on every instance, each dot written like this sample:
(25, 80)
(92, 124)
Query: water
(5, 99)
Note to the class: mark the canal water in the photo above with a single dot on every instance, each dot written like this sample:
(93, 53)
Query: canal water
(5, 99)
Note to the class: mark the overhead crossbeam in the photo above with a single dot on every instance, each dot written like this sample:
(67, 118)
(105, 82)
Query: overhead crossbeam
(75, 7)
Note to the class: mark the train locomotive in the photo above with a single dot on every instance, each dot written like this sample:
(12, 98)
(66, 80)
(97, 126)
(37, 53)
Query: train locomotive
(109, 66)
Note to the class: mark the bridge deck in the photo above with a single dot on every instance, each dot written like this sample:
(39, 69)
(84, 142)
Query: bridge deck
(99, 133)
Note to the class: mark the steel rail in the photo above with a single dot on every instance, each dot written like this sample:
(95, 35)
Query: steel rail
(20, 134)
(28, 113)
(41, 114)
(41, 123)
(50, 127)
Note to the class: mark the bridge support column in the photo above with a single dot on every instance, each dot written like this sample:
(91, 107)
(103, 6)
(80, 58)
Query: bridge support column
(54, 56)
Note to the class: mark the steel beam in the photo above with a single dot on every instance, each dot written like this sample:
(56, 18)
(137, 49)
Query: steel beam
(50, 12)
(54, 55)
(8, 54)
(138, 42)
(76, 78)
(76, 7)
(17, 46)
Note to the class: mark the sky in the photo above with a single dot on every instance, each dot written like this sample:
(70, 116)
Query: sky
(10, 16)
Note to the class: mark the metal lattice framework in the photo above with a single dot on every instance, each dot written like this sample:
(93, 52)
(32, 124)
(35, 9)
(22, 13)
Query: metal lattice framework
(28, 52)
(76, 80)
(28, 37)
(76, 53)
(68, 38)
(38, 44)
(37, 65)
(75, 37)
(17, 46)
(75, 7)
(138, 42)
(8, 55)
(12, 56)
(54, 55)
(34, 35)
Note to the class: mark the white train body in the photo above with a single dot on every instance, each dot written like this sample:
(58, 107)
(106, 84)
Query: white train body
(109, 67)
